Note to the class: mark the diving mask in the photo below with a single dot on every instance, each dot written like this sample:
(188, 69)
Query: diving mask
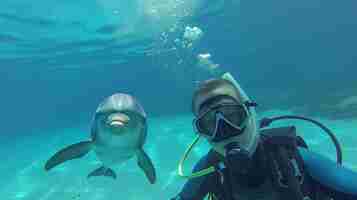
(222, 121)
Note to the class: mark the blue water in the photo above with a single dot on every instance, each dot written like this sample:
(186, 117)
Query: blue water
(59, 59)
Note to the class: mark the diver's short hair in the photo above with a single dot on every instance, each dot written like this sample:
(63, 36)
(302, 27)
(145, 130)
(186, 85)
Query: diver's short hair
(207, 89)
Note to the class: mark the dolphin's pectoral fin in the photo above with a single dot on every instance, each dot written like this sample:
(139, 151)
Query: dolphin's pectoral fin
(103, 171)
(146, 165)
(73, 151)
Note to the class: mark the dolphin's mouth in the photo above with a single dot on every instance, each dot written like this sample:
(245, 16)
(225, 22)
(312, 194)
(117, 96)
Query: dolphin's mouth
(117, 123)
(118, 120)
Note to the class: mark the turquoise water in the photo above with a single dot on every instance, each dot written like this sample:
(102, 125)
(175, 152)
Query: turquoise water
(59, 59)
(24, 177)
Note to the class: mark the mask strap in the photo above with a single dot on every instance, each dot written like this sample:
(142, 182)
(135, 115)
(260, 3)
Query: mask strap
(183, 159)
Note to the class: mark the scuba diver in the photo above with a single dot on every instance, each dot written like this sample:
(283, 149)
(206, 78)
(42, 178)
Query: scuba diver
(248, 161)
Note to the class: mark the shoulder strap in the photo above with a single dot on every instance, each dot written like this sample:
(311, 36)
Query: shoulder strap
(280, 145)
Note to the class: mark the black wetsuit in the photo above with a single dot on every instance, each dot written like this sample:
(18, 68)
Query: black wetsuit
(258, 184)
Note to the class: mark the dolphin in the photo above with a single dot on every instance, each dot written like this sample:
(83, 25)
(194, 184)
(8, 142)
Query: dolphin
(118, 133)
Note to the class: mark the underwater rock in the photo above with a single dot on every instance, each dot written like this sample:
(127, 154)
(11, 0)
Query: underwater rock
(108, 29)
(347, 102)
(5, 38)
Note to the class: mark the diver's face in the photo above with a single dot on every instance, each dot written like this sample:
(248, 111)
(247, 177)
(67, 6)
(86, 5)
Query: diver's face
(233, 123)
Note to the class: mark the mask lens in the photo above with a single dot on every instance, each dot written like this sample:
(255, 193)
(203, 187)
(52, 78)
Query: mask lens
(233, 115)
(206, 124)
(225, 129)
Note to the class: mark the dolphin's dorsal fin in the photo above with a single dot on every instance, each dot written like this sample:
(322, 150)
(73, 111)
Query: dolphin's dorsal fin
(71, 152)
(146, 165)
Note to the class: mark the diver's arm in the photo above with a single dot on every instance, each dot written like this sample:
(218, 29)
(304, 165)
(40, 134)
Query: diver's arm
(339, 182)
